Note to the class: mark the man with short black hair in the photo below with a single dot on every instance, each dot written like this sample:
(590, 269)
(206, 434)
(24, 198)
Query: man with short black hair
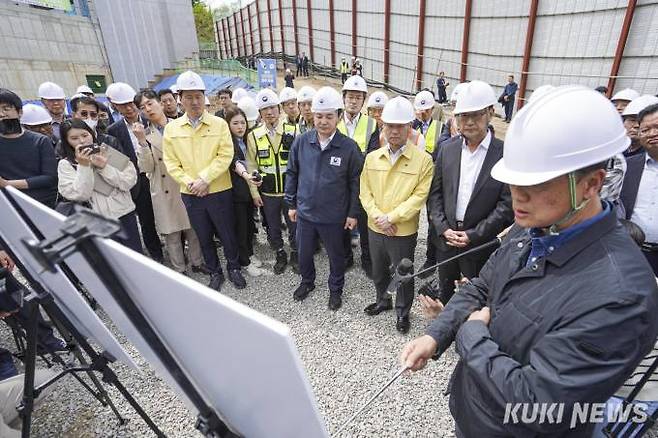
(27, 159)
(224, 95)
(88, 110)
(169, 103)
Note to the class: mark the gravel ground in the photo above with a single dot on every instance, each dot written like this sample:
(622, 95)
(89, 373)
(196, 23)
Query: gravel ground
(347, 356)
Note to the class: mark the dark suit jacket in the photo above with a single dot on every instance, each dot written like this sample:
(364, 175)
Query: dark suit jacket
(489, 210)
(241, 192)
(634, 169)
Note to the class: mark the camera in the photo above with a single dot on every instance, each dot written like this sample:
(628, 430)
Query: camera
(94, 148)
(256, 177)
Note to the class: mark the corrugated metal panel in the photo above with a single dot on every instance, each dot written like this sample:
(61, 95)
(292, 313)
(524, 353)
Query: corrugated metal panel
(254, 25)
(640, 62)
(444, 27)
(302, 27)
(276, 25)
(403, 46)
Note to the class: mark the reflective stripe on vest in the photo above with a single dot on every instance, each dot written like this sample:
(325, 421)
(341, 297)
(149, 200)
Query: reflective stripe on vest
(272, 165)
(364, 130)
(290, 128)
(344, 68)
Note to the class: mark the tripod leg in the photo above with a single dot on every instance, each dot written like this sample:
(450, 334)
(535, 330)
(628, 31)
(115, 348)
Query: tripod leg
(30, 367)
(129, 398)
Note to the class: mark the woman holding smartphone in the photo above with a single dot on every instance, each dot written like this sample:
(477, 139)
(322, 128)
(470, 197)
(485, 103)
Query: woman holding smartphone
(86, 176)
(243, 195)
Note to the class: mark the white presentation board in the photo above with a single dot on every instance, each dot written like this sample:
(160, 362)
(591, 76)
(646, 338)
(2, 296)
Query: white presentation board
(243, 363)
(66, 296)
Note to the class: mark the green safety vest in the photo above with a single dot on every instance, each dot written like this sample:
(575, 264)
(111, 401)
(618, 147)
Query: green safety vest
(364, 130)
(344, 67)
(272, 165)
(431, 136)
(291, 128)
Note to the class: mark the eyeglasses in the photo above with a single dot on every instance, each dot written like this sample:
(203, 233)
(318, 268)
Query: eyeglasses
(475, 115)
(85, 114)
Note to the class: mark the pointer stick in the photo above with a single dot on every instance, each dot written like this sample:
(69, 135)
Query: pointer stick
(372, 399)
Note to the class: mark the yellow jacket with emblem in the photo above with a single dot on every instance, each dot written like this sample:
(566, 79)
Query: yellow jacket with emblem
(397, 190)
(203, 152)
(270, 157)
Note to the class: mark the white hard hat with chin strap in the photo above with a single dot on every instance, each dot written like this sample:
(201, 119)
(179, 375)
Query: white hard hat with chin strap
(569, 129)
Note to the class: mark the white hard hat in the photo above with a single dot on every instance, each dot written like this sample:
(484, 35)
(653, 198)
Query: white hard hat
(625, 94)
(35, 115)
(568, 129)
(377, 99)
(540, 91)
(50, 90)
(190, 81)
(266, 98)
(78, 96)
(455, 91)
(248, 106)
(120, 92)
(82, 89)
(476, 95)
(327, 99)
(207, 101)
(174, 89)
(424, 100)
(287, 94)
(238, 94)
(355, 83)
(398, 111)
(306, 94)
(638, 104)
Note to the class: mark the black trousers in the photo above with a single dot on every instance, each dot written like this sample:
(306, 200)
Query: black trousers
(130, 229)
(468, 266)
(509, 108)
(432, 241)
(362, 226)
(443, 97)
(386, 253)
(209, 215)
(343, 77)
(274, 207)
(308, 234)
(244, 230)
(144, 210)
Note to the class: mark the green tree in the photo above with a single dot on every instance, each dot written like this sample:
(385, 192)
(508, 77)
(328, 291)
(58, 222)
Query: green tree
(203, 19)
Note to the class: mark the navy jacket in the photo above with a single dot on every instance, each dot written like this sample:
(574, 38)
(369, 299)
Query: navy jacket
(324, 185)
(510, 89)
(632, 177)
(569, 328)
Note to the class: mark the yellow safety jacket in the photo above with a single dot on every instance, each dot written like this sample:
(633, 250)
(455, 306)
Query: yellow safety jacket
(364, 129)
(431, 135)
(344, 68)
(271, 161)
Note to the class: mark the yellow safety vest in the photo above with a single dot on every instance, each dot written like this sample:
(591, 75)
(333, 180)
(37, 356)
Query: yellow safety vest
(344, 67)
(272, 165)
(430, 136)
(290, 128)
(364, 130)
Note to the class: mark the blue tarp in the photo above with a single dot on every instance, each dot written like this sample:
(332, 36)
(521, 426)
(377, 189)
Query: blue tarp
(213, 83)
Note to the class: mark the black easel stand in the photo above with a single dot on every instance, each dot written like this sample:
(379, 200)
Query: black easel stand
(78, 235)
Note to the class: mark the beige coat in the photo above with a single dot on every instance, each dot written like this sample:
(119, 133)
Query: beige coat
(168, 208)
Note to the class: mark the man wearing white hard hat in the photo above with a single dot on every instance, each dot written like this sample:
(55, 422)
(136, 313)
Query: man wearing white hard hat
(395, 183)
(37, 119)
(122, 96)
(290, 117)
(561, 314)
(197, 152)
(27, 159)
(304, 102)
(53, 98)
(622, 98)
(322, 192)
(344, 69)
(363, 130)
(375, 106)
(631, 123)
(424, 123)
(268, 151)
(640, 186)
(84, 89)
(467, 206)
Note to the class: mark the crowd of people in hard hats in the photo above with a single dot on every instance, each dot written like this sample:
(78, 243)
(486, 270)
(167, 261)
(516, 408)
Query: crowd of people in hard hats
(563, 310)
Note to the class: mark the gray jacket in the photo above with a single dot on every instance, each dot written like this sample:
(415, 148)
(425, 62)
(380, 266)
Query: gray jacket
(569, 328)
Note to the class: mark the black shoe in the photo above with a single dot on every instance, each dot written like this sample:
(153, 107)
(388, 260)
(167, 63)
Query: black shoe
(302, 291)
(367, 267)
(428, 264)
(216, 281)
(349, 262)
(373, 309)
(294, 262)
(335, 301)
(201, 270)
(403, 324)
(281, 262)
(235, 277)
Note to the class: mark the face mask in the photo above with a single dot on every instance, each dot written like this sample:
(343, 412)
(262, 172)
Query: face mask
(91, 123)
(103, 125)
(10, 126)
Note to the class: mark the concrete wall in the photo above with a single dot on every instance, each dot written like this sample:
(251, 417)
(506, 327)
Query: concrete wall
(574, 41)
(40, 45)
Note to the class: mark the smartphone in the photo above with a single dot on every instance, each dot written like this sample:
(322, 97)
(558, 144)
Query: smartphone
(256, 177)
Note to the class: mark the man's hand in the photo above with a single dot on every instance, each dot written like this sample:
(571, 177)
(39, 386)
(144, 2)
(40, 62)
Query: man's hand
(258, 202)
(3, 183)
(484, 315)
(292, 214)
(139, 132)
(4, 314)
(431, 307)
(457, 239)
(6, 261)
(417, 352)
(383, 222)
(350, 223)
(199, 187)
(391, 231)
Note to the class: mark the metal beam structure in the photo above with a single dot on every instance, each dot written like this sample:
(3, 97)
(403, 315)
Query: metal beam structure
(244, 38)
(467, 30)
(269, 22)
(251, 30)
(354, 28)
(309, 14)
(387, 39)
(283, 41)
(527, 52)
(260, 27)
(421, 44)
(294, 23)
(237, 38)
(332, 34)
(619, 53)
